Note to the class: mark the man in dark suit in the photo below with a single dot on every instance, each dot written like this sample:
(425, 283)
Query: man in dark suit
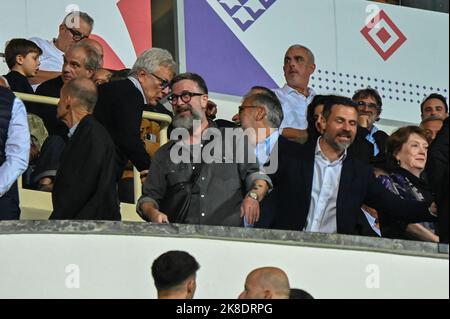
(322, 189)
(370, 106)
(120, 105)
(437, 171)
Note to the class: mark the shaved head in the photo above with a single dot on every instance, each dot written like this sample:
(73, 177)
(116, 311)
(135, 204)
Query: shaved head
(83, 91)
(266, 283)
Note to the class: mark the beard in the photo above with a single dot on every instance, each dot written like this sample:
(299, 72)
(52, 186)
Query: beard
(339, 146)
(187, 121)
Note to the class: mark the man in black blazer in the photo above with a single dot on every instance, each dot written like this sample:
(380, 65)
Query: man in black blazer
(322, 189)
(120, 105)
(437, 171)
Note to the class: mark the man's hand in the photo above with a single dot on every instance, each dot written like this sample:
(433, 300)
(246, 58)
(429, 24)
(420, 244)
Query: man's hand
(250, 210)
(153, 215)
(364, 121)
(143, 175)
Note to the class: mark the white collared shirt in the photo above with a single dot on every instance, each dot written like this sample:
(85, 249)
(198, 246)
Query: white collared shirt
(295, 106)
(324, 195)
(138, 85)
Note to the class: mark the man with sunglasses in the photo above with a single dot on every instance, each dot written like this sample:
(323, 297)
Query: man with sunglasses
(121, 103)
(75, 27)
(370, 108)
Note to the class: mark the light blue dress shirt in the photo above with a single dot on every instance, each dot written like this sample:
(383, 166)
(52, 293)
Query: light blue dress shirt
(371, 139)
(17, 148)
(265, 148)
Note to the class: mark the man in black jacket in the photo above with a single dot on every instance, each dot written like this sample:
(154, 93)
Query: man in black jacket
(437, 171)
(322, 189)
(85, 185)
(120, 105)
(370, 107)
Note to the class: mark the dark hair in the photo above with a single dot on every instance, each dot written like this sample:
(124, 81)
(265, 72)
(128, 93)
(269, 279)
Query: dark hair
(300, 294)
(118, 75)
(21, 47)
(272, 105)
(192, 77)
(334, 100)
(396, 141)
(265, 91)
(84, 90)
(435, 96)
(369, 92)
(172, 269)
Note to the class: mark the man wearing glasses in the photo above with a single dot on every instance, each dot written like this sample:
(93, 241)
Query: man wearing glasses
(370, 108)
(224, 191)
(75, 27)
(121, 103)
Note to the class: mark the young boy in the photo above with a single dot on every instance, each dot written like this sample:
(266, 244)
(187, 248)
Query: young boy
(22, 58)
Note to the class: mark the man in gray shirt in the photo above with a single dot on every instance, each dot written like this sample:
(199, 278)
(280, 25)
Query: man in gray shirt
(226, 191)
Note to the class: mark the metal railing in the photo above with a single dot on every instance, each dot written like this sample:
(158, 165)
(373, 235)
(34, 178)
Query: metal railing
(163, 119)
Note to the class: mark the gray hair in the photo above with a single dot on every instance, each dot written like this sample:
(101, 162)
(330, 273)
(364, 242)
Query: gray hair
(71, 19)
(84, 90)
(273, 107)
(431, 119)
(311, 56)
(151, 60)
(94, 60)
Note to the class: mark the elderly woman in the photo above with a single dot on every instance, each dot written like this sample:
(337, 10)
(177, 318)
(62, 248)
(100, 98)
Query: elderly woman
(407, 152)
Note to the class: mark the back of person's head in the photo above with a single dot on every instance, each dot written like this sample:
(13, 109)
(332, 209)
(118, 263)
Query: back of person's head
(174, 274)
(119, 75)
(266, 283)
(300, 294)
(272, 106)
(151, 60)
(19, 47)
(83, 91)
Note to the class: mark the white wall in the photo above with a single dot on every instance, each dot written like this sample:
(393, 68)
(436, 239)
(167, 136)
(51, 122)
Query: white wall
(34, 266)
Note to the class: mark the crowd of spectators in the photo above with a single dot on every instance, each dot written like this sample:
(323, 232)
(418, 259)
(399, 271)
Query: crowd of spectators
(335, 170)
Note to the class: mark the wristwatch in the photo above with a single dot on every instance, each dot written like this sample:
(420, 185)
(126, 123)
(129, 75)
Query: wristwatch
(253, 195)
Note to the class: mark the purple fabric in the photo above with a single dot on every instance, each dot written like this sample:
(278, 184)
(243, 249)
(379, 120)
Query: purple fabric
(214, 52)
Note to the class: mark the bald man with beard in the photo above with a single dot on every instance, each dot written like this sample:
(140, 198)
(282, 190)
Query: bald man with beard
(266, 283)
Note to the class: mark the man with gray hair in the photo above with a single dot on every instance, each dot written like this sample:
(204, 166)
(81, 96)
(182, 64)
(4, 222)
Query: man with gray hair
(121, 104)
(296, 95)
(85, 185)
(75, 27)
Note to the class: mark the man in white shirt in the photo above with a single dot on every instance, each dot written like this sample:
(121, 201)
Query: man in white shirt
(14, 151)
(75, 27)
(295, 96)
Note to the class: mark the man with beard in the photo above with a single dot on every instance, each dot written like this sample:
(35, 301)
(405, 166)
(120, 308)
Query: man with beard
(193, 190)
(322, 188)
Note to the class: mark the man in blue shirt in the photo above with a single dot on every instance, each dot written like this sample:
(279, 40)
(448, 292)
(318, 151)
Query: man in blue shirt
(14, 152)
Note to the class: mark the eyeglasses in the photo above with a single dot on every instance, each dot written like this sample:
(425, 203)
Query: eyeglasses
(76, 36)
(164, 84)
(242, 108)
(372, 106)
(185, 96)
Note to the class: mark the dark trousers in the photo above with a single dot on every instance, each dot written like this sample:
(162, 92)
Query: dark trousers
(48, 161)
(9, 204)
